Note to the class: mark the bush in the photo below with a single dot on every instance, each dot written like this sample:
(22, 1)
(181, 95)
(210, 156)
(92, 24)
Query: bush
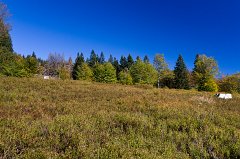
(211, 86)
(64, 73)
(230, 84)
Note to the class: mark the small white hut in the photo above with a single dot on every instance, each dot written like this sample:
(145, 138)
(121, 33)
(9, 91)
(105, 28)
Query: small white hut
(224, 96)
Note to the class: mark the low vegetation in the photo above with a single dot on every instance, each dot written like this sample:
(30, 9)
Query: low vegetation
(80, 119)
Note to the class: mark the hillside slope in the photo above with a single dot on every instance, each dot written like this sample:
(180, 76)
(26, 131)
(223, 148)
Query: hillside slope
(76, 119)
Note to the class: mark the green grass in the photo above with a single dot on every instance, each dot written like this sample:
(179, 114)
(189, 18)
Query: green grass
(76, 119)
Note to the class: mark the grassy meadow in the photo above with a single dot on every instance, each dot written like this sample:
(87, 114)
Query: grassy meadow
(76, 119)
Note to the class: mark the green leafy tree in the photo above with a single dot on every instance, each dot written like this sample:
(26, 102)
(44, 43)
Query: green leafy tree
(230, 84)
(161, 66)
(208, 85)
(205, 69)
(125, 77)
(105, 73)
(167, 79)
(181, 74)
(143, 73)
(5, 38)
(84, 72)
(11, 64)
(159, 63)
(78, 62)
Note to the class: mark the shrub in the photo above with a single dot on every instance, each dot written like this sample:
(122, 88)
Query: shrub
(64, 73)
(230, 84)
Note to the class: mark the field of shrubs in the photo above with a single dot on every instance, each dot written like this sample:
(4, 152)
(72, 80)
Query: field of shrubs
(76, 119)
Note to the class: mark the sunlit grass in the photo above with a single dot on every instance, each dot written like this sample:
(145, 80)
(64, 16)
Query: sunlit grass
(77, 119)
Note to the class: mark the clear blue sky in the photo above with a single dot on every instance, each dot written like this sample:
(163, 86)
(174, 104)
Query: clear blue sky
(138, 27)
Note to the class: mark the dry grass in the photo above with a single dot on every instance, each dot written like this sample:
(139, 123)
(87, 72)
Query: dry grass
(77, 119)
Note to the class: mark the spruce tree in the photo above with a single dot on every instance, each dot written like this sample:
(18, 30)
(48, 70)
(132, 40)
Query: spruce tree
(116, 66)
(146, 59)
(101, 58)
(123, 63)
(78, 62)
(34, 55)
(196, 68)
(130, 61)
(138, 58)
(31, 64)
(181, 74)
(110, 59)
(93, 59)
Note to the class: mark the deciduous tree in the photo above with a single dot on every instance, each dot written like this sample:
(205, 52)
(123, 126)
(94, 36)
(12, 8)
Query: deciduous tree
(84, 72)
(125, 77)
(204, 72)
(143, 73)
(105, 73)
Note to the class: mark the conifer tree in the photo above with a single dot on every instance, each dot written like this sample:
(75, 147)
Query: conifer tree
(146, 59)
(181, 74)
(93, 59)
(31, 64)
(101, 58)
(123, 63)
(78, 62)
(34, 55)
(110, 59)
(138, 58)
(130, 61)
(116, 66)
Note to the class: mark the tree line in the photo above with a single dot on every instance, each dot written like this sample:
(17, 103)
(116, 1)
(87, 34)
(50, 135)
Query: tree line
(125, 71)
